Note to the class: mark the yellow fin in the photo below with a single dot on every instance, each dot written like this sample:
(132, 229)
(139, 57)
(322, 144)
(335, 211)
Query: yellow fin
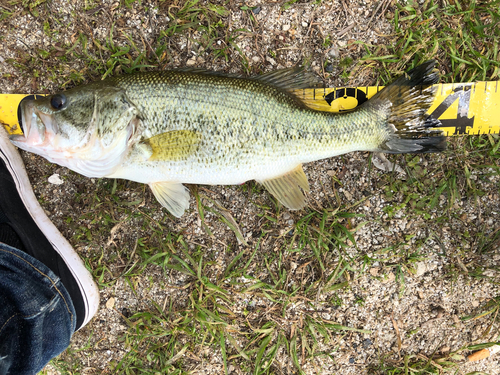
(173, 145)
(171, 195)
(286, 188)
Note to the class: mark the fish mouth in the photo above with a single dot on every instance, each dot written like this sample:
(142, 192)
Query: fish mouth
(37, 127)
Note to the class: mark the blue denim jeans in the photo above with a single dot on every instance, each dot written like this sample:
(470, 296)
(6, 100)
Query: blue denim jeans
(37, 317)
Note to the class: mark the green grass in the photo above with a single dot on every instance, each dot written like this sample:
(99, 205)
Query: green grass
(455, 34)
(244, 309)
(206, 319)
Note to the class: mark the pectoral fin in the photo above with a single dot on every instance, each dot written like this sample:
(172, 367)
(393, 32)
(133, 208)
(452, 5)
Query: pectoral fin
(286, 188)
(173, 145)
(172, 195)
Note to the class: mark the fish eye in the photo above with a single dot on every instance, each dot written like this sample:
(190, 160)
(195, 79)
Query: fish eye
(58, 101)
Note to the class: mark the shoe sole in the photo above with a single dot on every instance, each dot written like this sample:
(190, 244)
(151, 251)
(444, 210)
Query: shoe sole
(88, 288)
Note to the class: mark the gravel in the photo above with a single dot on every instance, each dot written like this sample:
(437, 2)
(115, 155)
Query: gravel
(424, 299)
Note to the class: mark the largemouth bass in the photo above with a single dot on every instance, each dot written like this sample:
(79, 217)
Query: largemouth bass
(172, 127)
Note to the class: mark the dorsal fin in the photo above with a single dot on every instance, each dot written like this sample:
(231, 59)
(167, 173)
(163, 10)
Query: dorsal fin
(297, 77)
(293, 81)
(291, 78)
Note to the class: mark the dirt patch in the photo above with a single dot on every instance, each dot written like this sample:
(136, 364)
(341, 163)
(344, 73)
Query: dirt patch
(413, 272)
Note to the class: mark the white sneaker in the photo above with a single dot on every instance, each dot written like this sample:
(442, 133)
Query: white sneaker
(23, 220)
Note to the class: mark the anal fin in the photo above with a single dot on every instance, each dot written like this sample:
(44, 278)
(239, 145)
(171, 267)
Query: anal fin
(171, 195)
(286, 188)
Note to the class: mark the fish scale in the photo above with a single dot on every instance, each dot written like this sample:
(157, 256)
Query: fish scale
(174, 127)
(257, 123)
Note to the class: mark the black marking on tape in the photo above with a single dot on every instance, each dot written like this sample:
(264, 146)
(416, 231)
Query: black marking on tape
(346, 92)
(463, 94)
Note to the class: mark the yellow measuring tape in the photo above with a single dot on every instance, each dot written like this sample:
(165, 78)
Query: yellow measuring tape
(8, 112)
(462, 108)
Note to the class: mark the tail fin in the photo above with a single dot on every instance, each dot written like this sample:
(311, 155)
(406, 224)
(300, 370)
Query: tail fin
(407, 99)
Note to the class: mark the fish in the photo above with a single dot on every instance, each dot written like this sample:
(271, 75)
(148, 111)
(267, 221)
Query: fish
(191, 126)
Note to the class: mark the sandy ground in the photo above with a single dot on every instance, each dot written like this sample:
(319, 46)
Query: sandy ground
(409, 307)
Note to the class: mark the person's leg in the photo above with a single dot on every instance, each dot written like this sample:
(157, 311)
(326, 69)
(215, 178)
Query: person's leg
(39, 271)
(37, 317)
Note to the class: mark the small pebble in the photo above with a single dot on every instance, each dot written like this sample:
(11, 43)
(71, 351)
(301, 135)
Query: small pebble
(55, 179)
(329, 68)
(126, 312)
(334, 52)
(256, 10)
(271, 60)
(110, 303)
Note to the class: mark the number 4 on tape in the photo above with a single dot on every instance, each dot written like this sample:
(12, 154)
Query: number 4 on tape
(460, 121)
(467, 108)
